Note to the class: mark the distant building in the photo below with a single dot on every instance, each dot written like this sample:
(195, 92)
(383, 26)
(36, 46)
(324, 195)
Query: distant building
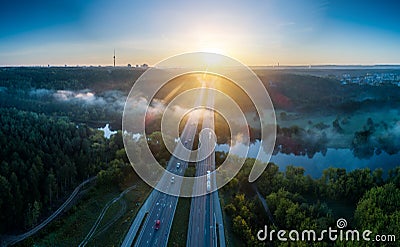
(375, 79)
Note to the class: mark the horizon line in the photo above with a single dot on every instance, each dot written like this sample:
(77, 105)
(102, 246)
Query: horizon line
(250, 66)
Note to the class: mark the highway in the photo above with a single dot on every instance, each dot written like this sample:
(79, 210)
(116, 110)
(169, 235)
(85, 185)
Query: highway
(205, 227)
(205, 221)
(161, 206)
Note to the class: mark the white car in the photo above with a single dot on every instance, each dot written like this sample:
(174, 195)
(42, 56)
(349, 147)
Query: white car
(208, 175)
(208, 185)
(178, 165)
(172, 180)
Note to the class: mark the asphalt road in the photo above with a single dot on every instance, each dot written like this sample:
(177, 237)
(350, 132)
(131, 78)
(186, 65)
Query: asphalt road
(164, 205)
(101, 216)
(15, 239)
(161, 206)
(205, 221)
(205, 214)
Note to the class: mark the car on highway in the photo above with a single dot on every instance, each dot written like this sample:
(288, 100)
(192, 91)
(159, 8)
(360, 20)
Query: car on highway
(157, 225)
(178, 165)
(208, 175)
(208, 185)
(172, 180)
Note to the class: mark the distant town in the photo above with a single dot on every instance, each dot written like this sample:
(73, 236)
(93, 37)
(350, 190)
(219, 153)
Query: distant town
(372, 79)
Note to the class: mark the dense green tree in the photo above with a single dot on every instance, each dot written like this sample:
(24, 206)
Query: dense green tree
(299, 202)
(377, 176)
(241, 228)
(42, 160)
(394, 176)
(379, 210)
(5, 199)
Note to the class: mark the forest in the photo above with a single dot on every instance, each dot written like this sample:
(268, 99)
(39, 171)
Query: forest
(92, 95)
(363, 197)
(69, 78)
(322, 94)
(42, 159)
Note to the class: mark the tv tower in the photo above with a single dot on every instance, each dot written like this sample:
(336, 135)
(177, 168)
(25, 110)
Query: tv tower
(114, 57)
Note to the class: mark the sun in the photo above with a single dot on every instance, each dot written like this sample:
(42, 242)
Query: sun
(212, 49)
(212, 45)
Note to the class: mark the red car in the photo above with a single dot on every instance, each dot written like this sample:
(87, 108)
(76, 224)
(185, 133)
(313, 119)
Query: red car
(157, 226)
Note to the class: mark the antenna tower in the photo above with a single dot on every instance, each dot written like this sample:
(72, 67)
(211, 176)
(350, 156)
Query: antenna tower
(114, 57)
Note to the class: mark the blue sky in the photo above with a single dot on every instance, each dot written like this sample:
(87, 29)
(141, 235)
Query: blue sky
(254, 32)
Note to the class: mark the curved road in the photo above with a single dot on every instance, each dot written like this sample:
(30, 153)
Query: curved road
(15, 239)
(101, 216)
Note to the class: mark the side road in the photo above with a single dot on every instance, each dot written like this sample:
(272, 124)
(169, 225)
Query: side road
(13, 239)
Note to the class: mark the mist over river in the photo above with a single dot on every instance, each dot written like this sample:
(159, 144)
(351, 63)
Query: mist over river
(339, 158)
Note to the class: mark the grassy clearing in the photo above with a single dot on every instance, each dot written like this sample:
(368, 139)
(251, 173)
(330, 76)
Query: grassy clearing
(117, 231)
(112, 212)
(72, 226)
(178, 234)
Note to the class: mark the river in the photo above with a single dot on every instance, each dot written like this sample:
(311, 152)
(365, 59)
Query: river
(340, 158)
